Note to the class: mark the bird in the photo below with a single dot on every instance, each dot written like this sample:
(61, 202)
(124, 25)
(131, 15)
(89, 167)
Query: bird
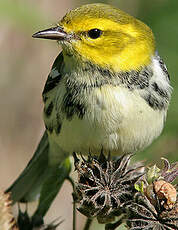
(108, 89)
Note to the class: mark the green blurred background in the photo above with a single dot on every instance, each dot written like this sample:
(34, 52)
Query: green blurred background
(25, 64)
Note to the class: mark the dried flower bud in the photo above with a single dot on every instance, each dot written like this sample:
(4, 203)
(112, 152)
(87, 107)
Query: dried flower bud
(166, 192)
(104, 185)
(157, 187)
(7, 221)
(141, 214)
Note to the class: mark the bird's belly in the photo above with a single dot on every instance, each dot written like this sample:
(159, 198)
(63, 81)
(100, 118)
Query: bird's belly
(81, 136)
(120, 121)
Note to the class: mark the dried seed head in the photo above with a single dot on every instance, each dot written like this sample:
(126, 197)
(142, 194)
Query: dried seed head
(104, 185)
(141, 214)
(155, 206)
(171, 214)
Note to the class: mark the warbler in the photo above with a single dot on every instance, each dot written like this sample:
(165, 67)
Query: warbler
(108, 89)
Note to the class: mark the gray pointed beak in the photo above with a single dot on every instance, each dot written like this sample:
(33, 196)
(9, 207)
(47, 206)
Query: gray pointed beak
(54, 33)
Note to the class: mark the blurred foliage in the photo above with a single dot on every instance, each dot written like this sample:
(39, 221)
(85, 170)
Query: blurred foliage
(27, 16)
(22, 14)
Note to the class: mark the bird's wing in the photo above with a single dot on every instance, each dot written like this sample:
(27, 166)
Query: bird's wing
(32, 174)
(41, 180)
(53, 77)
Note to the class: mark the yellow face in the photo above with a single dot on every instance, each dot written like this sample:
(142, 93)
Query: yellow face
(108, 37)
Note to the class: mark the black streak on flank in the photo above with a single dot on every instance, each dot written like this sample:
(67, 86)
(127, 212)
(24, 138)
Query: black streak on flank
(58, 128)
(154, 102)
(161, 92)
(163, 67)
(71, 107)
(48, 109)
(58, 124)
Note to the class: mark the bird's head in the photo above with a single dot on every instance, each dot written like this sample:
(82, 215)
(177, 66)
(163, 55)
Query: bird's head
(105, 36)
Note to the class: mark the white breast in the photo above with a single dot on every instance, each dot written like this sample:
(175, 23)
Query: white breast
(118, 120)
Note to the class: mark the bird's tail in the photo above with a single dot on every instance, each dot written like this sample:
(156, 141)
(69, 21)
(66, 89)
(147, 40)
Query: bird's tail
(40, 180)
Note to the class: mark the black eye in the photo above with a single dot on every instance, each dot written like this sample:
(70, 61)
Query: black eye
(94, 33)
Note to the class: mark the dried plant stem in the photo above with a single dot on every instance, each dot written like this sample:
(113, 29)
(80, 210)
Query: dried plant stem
(74, 203)
(88, 224)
